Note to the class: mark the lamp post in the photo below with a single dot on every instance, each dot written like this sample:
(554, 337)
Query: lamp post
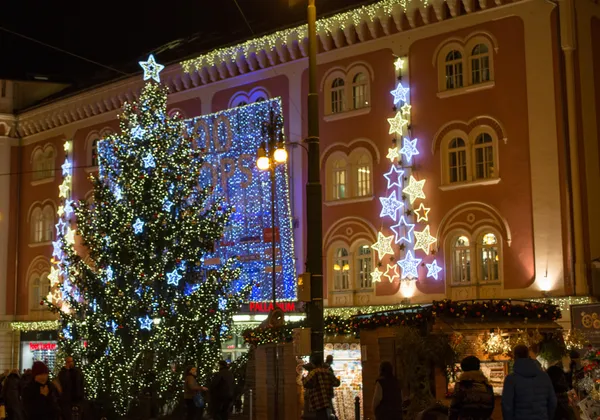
(314, 215)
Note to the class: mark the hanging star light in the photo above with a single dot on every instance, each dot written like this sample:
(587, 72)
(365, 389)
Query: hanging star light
(64, 189)
(406, 109)
(173, 278)
(383, 246)
(151, 69)
(145, 323)
(414, 189)
(167, 205)
(390, 206)
(433, 269)
(70, 236)
(138, 226)
(66, 168)
(56, 296)
(409, 266)
(424, 240)
(376, 275)
(68, 208)
(397, 124)
(118, 193)
(394, 177)
(409, 148)
(57, 249)
(60, 226)
(393, 153)
(393, 269)
(422, 213)
(54, 276)
(138, 132)
(399, 93)
(399, 63)
(60, 211)
(149, 161)
(109, 273)
(403, 226)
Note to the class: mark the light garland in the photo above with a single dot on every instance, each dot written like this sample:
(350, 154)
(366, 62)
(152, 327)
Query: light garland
(564, 303)
(268, 42)
(34, 326)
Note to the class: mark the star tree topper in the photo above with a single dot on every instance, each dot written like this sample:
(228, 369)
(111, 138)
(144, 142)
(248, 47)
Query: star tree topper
(151, 69)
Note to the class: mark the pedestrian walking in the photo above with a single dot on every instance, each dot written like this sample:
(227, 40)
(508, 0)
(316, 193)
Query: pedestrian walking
(387, 400)
(11, 393)
(564, 411)
(40, 397)
(221, 391)
(70, 381)
(320, 381)
(192, 394)
(528, 393)
(473, 397)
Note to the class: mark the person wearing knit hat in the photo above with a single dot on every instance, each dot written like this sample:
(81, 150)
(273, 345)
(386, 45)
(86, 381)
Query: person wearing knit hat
(40, 397)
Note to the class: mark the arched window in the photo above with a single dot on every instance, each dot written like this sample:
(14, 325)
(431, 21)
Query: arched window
(341, 269)
(461, 261)
(242, 103)
(457, 160)
(454, 70)
(364, 267)
(37, 225)
(340, 179)
(484, 156)
(43, 164)
(338, 97)
(94, 152)
(48, 223)
(363, 176)
(39, 289)
(489, 258)
(260, 99)
(480, 64)
(360, 85)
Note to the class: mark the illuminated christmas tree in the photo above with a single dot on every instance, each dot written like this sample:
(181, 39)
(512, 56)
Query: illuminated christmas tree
(142, 305)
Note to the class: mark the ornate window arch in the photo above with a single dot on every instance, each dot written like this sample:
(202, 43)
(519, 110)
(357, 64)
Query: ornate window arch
(455, 157)
(363, 265)
(484, 144)
(339, 266)
(480, 64)
(41, 223)
(338, 176)
(43, 163)
(361, 163)
(337, 95)
(360, 90)
(489, 256)
(91, 150)
(36, 224)
(258, 94)
(38, 283)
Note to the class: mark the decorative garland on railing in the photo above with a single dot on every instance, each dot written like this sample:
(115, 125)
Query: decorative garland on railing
(469, 310)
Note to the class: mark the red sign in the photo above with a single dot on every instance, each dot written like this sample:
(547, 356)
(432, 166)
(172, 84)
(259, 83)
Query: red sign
(266, 307)
(268, 234)
(42, 346)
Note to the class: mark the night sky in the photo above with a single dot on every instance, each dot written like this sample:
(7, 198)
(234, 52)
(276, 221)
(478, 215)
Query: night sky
(120, 33)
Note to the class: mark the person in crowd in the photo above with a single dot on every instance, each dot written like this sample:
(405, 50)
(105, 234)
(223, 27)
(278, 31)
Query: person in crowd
(222, 390)
(40, 397)
(559, 382)
(528, 393)
(387, 400)
(25, 378)
(11, 394)
(437, 411)
(70, 382)
(320, 381)
(190, 389)
(473, 397)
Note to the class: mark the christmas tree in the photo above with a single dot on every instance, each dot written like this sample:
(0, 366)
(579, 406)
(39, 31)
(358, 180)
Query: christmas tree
(142, 305)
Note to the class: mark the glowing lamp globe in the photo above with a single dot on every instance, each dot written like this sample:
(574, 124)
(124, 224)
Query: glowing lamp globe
(263, 163)
(280, 154)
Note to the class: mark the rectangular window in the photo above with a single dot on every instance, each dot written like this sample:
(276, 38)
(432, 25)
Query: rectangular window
(458, 166)
(337, 100)
(363, 181)
(359, 93)
(339, 190)
(462, 266)
(489, 264)
(484, 162)
(365, 267)
(454, 76)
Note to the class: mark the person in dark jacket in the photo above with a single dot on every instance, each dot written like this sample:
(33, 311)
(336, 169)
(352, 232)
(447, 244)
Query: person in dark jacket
(40, 397)
(11, 393)
(71, 384)
(387, 400)
(528, 393)
(190, 389)
(559, 381)
(473, 397)
(222, 390)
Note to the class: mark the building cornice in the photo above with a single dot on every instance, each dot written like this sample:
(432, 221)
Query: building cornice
(361, 25)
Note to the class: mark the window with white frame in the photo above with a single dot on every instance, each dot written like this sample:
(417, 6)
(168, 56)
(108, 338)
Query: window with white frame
(484, 156)
(363, 176)
(488, 258)
(461, 260)
(338, 95)
(48, 223)
(454, 69)
(43, 163)
(341, 269)
(360, 85)
(94, 152)
(37, 225)
(457, 160)
(364, 267)
(480, 64)
(39, 290)
(340, 179)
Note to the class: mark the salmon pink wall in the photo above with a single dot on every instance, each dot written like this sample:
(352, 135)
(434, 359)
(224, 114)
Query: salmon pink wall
(596, 58)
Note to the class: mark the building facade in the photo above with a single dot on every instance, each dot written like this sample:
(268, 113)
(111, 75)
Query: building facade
(503, 97)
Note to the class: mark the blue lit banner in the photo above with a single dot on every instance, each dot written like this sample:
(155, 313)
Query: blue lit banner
(230, 140)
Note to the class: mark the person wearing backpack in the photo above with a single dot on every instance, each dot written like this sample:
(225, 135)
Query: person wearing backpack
(221, 389)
